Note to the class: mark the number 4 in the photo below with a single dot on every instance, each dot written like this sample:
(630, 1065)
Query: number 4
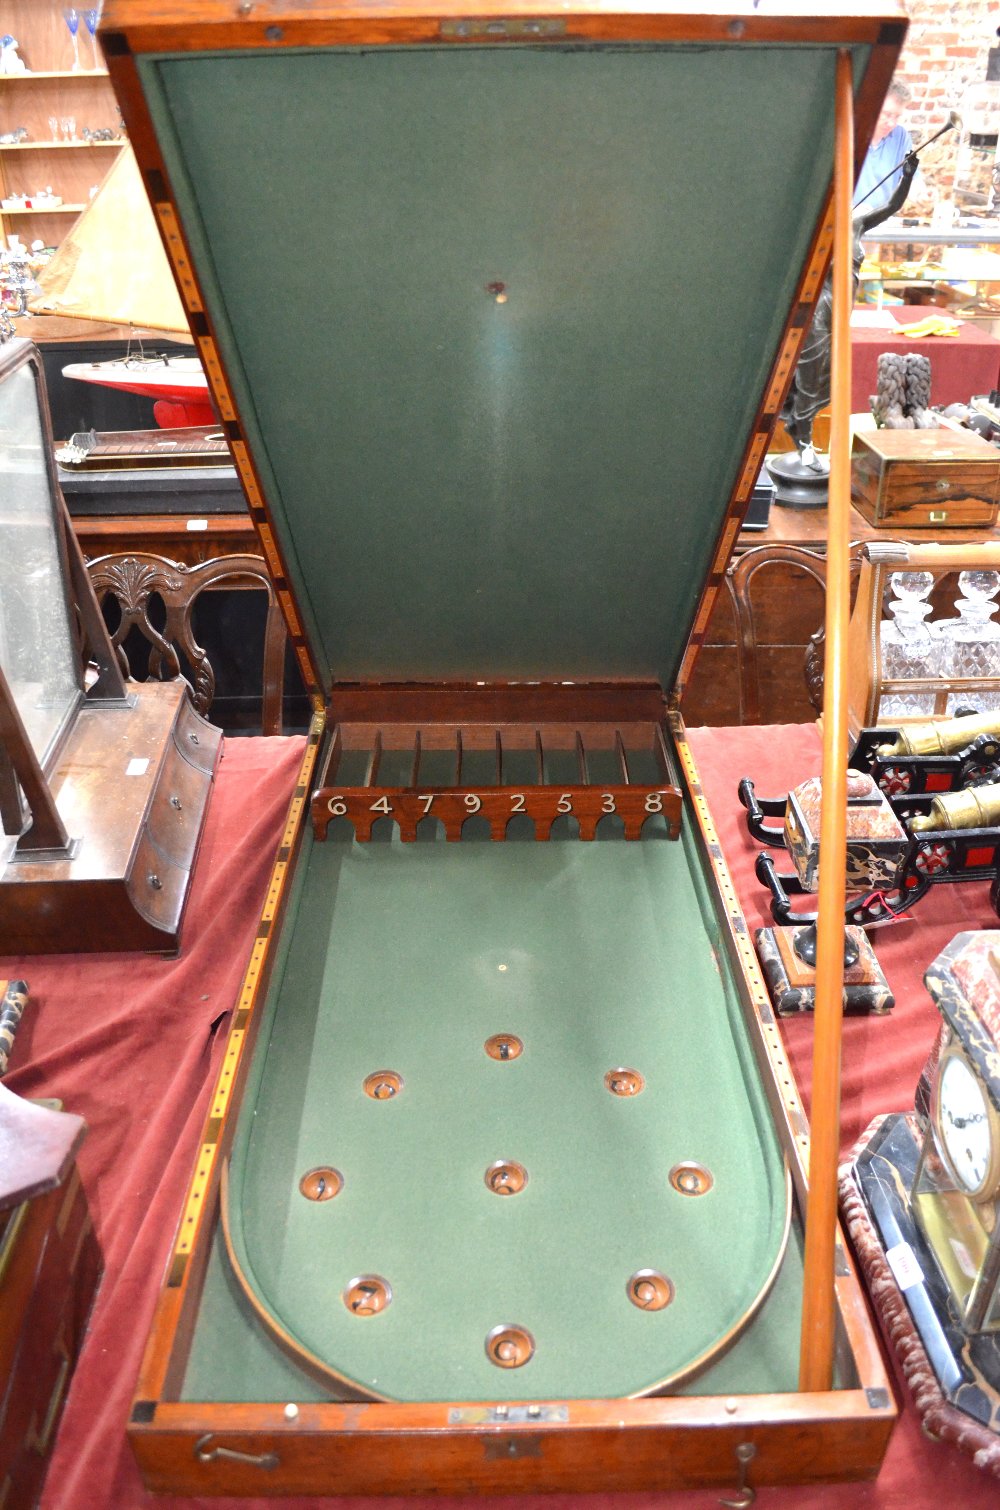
(381, 805)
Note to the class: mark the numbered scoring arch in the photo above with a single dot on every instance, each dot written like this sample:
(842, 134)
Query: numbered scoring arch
(365, 806)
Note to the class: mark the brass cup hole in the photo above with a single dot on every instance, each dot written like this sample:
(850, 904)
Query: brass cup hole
(650, 1290)
(321, 1184)
(689, 1178)
(504, 1046)
(509, 1346)
(383, 1085)
(367, 1295)
(623, 1082)
(505, 1177)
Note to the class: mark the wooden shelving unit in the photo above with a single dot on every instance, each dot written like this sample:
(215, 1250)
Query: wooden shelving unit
(51, 90)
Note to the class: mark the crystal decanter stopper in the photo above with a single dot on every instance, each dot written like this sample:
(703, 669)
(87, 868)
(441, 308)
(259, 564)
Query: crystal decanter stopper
(909, 649)
(969, 646)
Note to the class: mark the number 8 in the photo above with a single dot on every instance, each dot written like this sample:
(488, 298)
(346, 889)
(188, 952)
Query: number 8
(654, 802)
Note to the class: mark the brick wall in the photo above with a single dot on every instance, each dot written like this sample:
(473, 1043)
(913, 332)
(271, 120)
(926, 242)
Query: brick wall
(946, 49)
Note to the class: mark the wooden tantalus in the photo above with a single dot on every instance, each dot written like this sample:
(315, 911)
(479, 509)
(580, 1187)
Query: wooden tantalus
(868, 682)
(489, 582)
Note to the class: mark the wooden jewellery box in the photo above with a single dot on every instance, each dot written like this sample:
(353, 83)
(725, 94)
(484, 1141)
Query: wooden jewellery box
(103, 783)
(926, 479)
(502, 1185)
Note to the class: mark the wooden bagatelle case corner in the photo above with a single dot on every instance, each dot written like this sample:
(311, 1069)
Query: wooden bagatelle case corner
(465, 1214)
(103, 783)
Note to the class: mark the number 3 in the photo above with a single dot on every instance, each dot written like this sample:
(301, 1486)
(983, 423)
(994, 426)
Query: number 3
(608, 803)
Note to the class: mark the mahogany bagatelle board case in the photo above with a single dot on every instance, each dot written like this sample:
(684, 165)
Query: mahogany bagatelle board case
(503, 1181)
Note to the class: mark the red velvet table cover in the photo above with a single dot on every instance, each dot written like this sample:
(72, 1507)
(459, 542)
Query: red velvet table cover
(961, 365)
(133, 1044)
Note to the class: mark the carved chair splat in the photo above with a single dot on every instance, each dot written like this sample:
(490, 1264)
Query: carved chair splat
(134, 578)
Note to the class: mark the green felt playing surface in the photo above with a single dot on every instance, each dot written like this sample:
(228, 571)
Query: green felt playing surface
(408, 958)
(468, 488)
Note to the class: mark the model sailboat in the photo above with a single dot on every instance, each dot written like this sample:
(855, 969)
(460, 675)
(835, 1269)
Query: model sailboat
(112, 267)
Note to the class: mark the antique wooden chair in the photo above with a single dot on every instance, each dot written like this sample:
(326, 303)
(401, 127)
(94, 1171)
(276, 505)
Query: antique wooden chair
(134, 579)
(739, 580)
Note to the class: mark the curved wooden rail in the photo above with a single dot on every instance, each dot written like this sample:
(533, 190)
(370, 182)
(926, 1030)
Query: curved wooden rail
(739, 583)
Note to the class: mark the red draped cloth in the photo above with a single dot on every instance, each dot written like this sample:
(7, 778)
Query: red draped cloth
(133, 1044)
(961, 365)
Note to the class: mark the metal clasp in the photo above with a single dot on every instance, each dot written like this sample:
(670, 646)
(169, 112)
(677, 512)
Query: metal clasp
(206, 1454)
(745, 1493)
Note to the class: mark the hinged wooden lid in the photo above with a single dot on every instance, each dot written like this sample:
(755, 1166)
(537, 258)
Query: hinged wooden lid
(928, 447)
(499, 310)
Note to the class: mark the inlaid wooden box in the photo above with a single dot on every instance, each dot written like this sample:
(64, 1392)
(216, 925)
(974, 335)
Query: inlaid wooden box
(925, 479)
(464, 1218)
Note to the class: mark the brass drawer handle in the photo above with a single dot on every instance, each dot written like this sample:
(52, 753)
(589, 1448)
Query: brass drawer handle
(206, 1454)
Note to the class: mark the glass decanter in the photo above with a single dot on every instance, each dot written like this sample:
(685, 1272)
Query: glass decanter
(909, 649)
(969, 646)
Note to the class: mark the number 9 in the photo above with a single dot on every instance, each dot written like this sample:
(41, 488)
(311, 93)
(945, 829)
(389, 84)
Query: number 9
(472, 802)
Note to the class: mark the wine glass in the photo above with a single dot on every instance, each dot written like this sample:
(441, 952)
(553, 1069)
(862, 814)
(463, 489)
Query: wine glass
(91, 18)
(72, 19)
(54, 127)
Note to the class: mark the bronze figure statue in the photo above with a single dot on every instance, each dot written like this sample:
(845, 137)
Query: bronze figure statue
(810, 389)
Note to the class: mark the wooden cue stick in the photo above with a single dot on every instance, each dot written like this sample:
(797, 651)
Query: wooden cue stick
(818, 1298)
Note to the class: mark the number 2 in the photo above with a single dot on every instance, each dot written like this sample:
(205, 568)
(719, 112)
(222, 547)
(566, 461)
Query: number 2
(517, 802)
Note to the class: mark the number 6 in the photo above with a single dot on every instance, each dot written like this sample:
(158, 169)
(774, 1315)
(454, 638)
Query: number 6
(337, 807)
